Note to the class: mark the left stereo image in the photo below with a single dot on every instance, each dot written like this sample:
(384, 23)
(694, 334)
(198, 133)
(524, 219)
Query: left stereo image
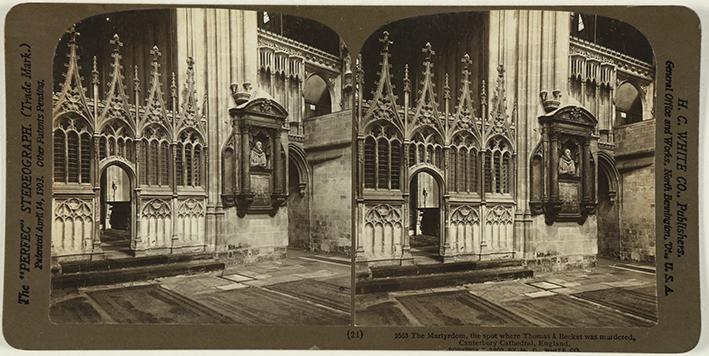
(202, 170)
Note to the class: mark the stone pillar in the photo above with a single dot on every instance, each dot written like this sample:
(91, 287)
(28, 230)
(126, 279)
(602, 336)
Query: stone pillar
(554, 167)
(223, 44)
(96, 182)
(245, 162)
(136, 241)
(277, 164)
(481, 169)
(236, 156)
(172, 171)
(588, 180)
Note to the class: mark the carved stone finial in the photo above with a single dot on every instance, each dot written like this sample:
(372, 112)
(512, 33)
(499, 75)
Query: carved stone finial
(155, 54)
(359, 71)
(466, 61)
(483, 92)
(136, 79)
(407, 81)
(428, 52)
(173, 86)
(466, 66)
(499, 99)
(73, 35)
(116, 42)
(385, 42)
(94, 73)
(446, 88)
(189, 93)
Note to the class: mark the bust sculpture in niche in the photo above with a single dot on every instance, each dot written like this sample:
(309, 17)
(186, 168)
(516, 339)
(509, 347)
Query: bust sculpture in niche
(567, 166)
(258, 156)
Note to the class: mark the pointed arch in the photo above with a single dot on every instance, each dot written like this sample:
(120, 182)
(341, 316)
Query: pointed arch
(606, 164)
(296, 155)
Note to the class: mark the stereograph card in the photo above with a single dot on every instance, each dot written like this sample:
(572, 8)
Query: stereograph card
(294, 177)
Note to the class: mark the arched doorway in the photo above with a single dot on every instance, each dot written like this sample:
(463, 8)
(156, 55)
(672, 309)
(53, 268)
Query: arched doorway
(298, 201)
(426, 214)
(608, 210)
(317, 97)
(117, 211)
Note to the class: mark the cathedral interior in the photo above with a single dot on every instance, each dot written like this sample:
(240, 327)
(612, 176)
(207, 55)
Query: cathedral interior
(522, 135)
(201, 131)
(251, 149)
(505, 172)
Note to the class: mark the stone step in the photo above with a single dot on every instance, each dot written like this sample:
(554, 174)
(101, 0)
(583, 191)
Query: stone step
(128, 262)
(131, 274)
(424, 269)
(450, 279)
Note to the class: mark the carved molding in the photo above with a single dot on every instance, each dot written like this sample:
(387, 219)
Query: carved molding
(465, 214)
(292, 48)
(620, 61)
(383, 214)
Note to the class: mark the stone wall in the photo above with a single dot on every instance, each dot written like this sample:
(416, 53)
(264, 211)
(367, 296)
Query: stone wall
(634, 139)
(635, 160)
(637, 218)
(253, 238)
(328, 148)
(561, 245)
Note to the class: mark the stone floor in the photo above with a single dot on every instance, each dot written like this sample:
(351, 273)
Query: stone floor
(609, 295)
(301, 289)
(305, 289)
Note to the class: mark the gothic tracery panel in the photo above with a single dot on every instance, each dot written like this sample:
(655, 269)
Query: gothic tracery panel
(130, 128)
(156, 224)
(191, 221)
(190, 159)
(382, 157)
(155, 156)
(498, 166)
(463, 164)
(471, 143)
(72, 150)
(117, 139)
(73, 226)
(383, 231)
(464, 228)
(426, 147)
(499, 229)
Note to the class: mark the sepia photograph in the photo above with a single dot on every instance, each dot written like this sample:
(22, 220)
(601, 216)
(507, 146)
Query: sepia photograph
(369, 177)
(202, 170)
(505, 172)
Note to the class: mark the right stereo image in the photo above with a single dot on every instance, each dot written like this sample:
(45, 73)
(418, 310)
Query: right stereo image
(505, 172)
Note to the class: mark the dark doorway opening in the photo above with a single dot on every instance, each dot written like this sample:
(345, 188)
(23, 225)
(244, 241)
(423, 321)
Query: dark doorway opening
(116, 212)
(425, 220)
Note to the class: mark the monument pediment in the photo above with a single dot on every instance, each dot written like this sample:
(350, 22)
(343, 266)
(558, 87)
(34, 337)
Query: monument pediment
(256, 102)
(571, 114)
